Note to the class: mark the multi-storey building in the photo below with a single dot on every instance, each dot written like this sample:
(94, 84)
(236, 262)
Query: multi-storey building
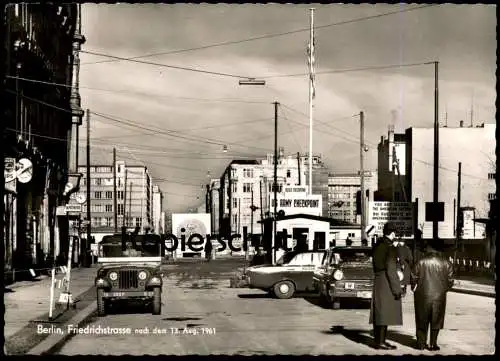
(342, 190)
(133, 198)
(213, 204)
(250, 182)
(473, 147)
(39, 115)
(158, 223)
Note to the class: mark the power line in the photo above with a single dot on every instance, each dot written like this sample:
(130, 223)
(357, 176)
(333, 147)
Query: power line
(222, 100)
(340, 71)
(166, 65)
(38, 101)
(267, 36)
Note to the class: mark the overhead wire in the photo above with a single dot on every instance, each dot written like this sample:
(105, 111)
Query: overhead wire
(268, 36)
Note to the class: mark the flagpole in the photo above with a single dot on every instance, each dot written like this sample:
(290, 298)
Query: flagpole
(311, 96)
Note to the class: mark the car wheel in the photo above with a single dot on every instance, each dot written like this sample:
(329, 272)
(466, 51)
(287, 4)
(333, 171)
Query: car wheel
(101, 303)
(284, 289)
(336, 304)
(157, 301)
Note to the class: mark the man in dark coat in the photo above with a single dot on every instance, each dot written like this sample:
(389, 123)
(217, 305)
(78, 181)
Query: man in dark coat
(386, 307)
(406, 261)
(431, 279)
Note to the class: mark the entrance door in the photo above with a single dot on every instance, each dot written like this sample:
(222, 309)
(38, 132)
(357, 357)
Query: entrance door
(300, 234)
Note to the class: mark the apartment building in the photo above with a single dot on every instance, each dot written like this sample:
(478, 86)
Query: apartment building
(158, 222)
(473, 147)
(342, 194)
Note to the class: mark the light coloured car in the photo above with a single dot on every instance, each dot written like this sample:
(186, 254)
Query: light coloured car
(292, 273)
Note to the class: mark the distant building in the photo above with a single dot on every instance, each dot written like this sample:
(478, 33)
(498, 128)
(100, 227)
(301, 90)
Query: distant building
(342, 191)
(474, 147)
(158, 223)
(134, 198)
(244, 178)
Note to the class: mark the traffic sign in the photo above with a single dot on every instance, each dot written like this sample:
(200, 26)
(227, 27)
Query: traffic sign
(24, 170)
(72, 207)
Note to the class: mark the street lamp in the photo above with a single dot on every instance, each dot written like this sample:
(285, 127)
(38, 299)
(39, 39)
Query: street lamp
(252, 81)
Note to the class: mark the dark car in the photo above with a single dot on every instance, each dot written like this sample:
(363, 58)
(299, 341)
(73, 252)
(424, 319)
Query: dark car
(345, 273)
(292, 272)
(130, 269)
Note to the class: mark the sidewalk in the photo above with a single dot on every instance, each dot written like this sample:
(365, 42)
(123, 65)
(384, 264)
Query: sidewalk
(28, 301)
(475, 287)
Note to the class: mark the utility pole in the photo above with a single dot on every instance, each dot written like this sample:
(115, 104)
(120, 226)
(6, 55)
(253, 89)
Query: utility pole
(261, 210)
(115, 201)
(311, 96)
(298, 167)
(459, 221)
(87, 241)
(130, 203)
(275, 181)
(436, 154)
(362, 173)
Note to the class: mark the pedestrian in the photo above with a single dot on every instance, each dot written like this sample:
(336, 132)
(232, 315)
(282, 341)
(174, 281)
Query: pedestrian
(279, 253)
(386, 309)
(208, 250)
(406, 261)
(348, 241)
(432, 278)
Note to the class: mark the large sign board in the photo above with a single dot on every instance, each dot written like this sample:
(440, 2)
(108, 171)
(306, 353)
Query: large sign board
(10, 174)
(399, 213)
(469, 224)
(310, 204)
(186, 224)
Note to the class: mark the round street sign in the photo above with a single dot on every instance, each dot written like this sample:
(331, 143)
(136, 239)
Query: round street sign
(80, 198)
(25, 170)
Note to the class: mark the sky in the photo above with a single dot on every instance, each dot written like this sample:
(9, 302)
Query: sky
(176, 121)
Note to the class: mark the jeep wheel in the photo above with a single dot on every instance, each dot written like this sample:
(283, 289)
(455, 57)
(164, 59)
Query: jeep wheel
(101, 303)
(157, 301)
(284, 289)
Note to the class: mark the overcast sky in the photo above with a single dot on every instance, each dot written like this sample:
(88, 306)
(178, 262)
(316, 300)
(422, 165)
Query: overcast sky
(179, 120)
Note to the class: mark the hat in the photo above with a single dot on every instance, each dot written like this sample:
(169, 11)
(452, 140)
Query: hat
(389, 227)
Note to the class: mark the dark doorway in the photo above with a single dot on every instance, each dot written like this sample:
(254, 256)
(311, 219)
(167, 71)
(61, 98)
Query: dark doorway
(300, 234)
(319, 241)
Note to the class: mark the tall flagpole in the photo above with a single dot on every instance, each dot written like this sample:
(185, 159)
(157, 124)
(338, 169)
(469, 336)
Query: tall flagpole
(311, 95)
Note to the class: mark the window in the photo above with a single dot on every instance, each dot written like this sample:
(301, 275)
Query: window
(98, 181)
(288, 173)
(235, 220)
(109, 208)
(228, 203)
(235, 202)
(84, 181)
(119, 168)
(234, 187)
(109, 222)
(103, 169)
(233, 173)
(247, 187)
(119, 194)
(96, 207)
(97, 195)
(109, 195)
(492, 196)
(120, 209)
(248, 173)
(138, 221)
(491, 175)
(95, 221)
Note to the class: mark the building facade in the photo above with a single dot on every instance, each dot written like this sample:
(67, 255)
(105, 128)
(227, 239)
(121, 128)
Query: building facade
(158, 223)
(247, 183)
(134, 201)
(342, 194)
(39, 116)
(473, 147)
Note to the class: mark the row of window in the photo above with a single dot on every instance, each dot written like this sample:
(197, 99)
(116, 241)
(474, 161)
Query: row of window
(108, 222)
(108, 195)
(492, 175)
(340, 195)
(492, 196)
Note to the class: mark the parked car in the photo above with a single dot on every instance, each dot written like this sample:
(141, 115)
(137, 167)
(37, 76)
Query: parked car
(129, 269)
(345, 273)
(293, 272)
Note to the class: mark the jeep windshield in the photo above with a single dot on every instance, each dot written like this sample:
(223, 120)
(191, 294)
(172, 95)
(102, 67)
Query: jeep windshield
(143, 245)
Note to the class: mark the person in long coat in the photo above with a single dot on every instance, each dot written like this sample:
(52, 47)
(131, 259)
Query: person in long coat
(406, 260)
(432, 278)
(386, 309)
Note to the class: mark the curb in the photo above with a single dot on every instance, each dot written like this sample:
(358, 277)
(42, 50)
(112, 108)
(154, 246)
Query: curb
(474, 292)
(55, 341)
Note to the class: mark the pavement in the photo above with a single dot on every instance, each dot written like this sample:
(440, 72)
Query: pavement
(27, 303)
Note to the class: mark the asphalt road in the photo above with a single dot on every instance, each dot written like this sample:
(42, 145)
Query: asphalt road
(202, 315)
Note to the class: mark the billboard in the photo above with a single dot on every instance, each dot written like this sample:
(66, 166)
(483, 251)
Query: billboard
(291, 204)
(186, 224)
(399, 213)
